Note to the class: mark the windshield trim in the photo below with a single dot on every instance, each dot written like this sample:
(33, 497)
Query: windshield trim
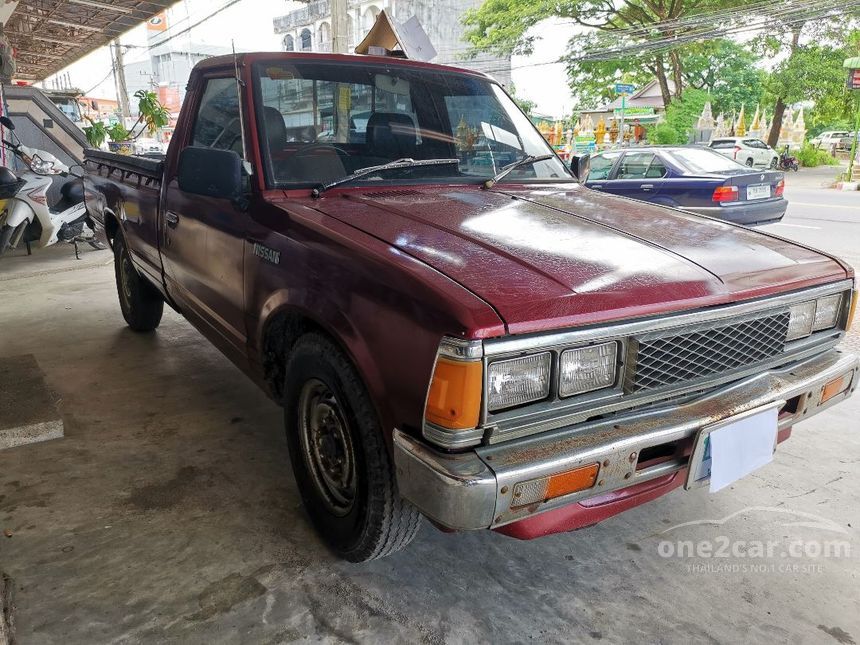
(265, 153)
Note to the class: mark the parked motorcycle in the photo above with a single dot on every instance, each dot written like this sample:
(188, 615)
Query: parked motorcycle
(787, 162)
(43, 206)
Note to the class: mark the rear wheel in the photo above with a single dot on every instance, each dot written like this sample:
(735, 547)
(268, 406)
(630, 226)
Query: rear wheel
(749, 162)
(774, 163)
(142, 306)
(340, 460)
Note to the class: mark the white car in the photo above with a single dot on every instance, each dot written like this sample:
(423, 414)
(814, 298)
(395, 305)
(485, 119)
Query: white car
(750, 152)
(830, 139)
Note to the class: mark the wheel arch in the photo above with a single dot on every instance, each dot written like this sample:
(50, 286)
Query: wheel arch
(287, 320)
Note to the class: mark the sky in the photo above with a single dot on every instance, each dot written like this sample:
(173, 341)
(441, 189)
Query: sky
(249, 24)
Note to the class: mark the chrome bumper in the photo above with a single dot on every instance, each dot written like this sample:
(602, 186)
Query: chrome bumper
(474, 489)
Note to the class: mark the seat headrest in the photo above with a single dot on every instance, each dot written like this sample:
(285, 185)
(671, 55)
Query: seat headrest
(391, 135)
(276, 129)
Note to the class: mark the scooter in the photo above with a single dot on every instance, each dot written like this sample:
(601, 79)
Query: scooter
(787, 162)
(48, 205)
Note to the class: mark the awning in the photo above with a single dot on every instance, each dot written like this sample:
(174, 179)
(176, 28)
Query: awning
(48, 35)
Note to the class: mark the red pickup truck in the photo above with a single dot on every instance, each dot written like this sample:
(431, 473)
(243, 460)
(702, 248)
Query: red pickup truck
(454, 325)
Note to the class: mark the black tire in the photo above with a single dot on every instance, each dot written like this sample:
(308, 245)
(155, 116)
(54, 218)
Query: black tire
(774, 163)
(749, 163)
(6, 236)
(343, 469)
(141, 304)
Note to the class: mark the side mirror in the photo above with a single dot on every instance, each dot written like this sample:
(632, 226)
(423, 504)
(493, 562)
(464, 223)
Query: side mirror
(580, 166)
(7, 123)
(210, 172)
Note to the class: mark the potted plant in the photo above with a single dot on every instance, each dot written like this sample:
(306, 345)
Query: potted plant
(121, 140)
(153, 115)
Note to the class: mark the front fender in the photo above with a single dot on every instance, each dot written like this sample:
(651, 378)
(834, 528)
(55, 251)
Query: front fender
(19, 211)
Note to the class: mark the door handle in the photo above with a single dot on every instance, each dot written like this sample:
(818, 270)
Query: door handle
(172, 219)
(597, 186)
(647, 187)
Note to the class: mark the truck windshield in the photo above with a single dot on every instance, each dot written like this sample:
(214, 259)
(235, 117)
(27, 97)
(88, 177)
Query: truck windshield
(321, 121)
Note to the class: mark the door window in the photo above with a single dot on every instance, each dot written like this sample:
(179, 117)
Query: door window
(635, 165)
(218, 124)
(601, 165)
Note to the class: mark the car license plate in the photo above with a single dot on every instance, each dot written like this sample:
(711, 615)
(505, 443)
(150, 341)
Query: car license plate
(731, 449)
(760, 191)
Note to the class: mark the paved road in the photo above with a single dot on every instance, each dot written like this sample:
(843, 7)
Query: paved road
(825, 218)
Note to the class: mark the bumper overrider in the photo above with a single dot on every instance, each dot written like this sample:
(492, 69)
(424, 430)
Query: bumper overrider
(483, 488)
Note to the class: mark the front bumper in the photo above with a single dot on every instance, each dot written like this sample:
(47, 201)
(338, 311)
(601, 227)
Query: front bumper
(474, 489)
(767, 211)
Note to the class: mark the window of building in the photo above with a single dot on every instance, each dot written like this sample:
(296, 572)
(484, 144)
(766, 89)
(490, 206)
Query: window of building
(289, 43)
(306, 40)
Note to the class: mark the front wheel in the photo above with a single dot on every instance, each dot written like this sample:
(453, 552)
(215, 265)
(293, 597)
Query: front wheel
(7, 234)
(340, 461)
(142, 306)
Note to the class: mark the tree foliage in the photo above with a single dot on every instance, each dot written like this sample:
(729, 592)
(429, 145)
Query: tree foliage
(727, 70)
(502, 27)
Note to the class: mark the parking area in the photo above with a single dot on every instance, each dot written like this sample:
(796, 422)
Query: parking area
(168, 511)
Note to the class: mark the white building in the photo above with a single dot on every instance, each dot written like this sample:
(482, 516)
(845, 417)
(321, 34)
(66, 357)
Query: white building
(309, 29)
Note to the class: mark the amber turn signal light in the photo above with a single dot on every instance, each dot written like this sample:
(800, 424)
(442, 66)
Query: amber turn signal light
(558, 485)
(835, 387)
(454, 400)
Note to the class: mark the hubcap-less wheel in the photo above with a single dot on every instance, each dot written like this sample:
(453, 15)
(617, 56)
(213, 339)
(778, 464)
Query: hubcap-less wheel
(125, 273)
(327, 447)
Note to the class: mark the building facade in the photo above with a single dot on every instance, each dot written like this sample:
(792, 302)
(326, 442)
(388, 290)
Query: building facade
(309, 29)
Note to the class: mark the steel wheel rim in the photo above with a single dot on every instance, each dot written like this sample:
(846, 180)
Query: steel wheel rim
(327, 447)
(125, 279)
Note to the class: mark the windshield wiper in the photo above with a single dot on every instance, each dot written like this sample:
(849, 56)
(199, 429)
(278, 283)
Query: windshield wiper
(407, 162)
(505, 171)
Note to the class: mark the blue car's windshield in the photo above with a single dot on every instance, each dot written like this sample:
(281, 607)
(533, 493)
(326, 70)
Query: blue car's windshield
(321, 121)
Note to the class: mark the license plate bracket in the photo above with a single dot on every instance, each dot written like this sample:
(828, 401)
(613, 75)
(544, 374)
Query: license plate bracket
(752, 429)
(758, 191)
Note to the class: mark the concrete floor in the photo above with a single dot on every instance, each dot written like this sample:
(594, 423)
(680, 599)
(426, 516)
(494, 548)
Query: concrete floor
(168, 513)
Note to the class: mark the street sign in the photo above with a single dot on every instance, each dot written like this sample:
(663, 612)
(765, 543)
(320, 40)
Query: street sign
(624, 88)
(633, 111)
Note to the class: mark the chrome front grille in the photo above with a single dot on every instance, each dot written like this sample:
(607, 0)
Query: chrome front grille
(662, 360)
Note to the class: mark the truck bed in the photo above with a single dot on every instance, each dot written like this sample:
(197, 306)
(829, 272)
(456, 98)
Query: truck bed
(146, 169)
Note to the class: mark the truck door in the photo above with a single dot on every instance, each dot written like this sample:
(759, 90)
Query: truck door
(203, 238)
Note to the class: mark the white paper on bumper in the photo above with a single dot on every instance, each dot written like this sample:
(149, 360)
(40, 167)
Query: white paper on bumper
(742, 447)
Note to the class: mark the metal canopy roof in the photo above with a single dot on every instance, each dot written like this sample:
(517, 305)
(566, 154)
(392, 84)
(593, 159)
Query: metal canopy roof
(48, 35)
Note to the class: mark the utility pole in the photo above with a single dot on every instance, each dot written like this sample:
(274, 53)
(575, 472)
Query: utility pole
(339, 26)
(119, 77)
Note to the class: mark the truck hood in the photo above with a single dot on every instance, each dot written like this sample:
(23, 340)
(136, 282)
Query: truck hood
(563, 255)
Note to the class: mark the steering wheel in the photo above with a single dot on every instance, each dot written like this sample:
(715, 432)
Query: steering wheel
(321, 146)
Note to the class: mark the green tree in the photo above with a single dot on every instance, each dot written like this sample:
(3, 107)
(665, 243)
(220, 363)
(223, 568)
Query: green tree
(727, 70)
(680, 118)
(502, 26)
(811, 56)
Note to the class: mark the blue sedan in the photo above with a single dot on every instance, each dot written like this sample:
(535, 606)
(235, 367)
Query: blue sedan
(692, 178)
